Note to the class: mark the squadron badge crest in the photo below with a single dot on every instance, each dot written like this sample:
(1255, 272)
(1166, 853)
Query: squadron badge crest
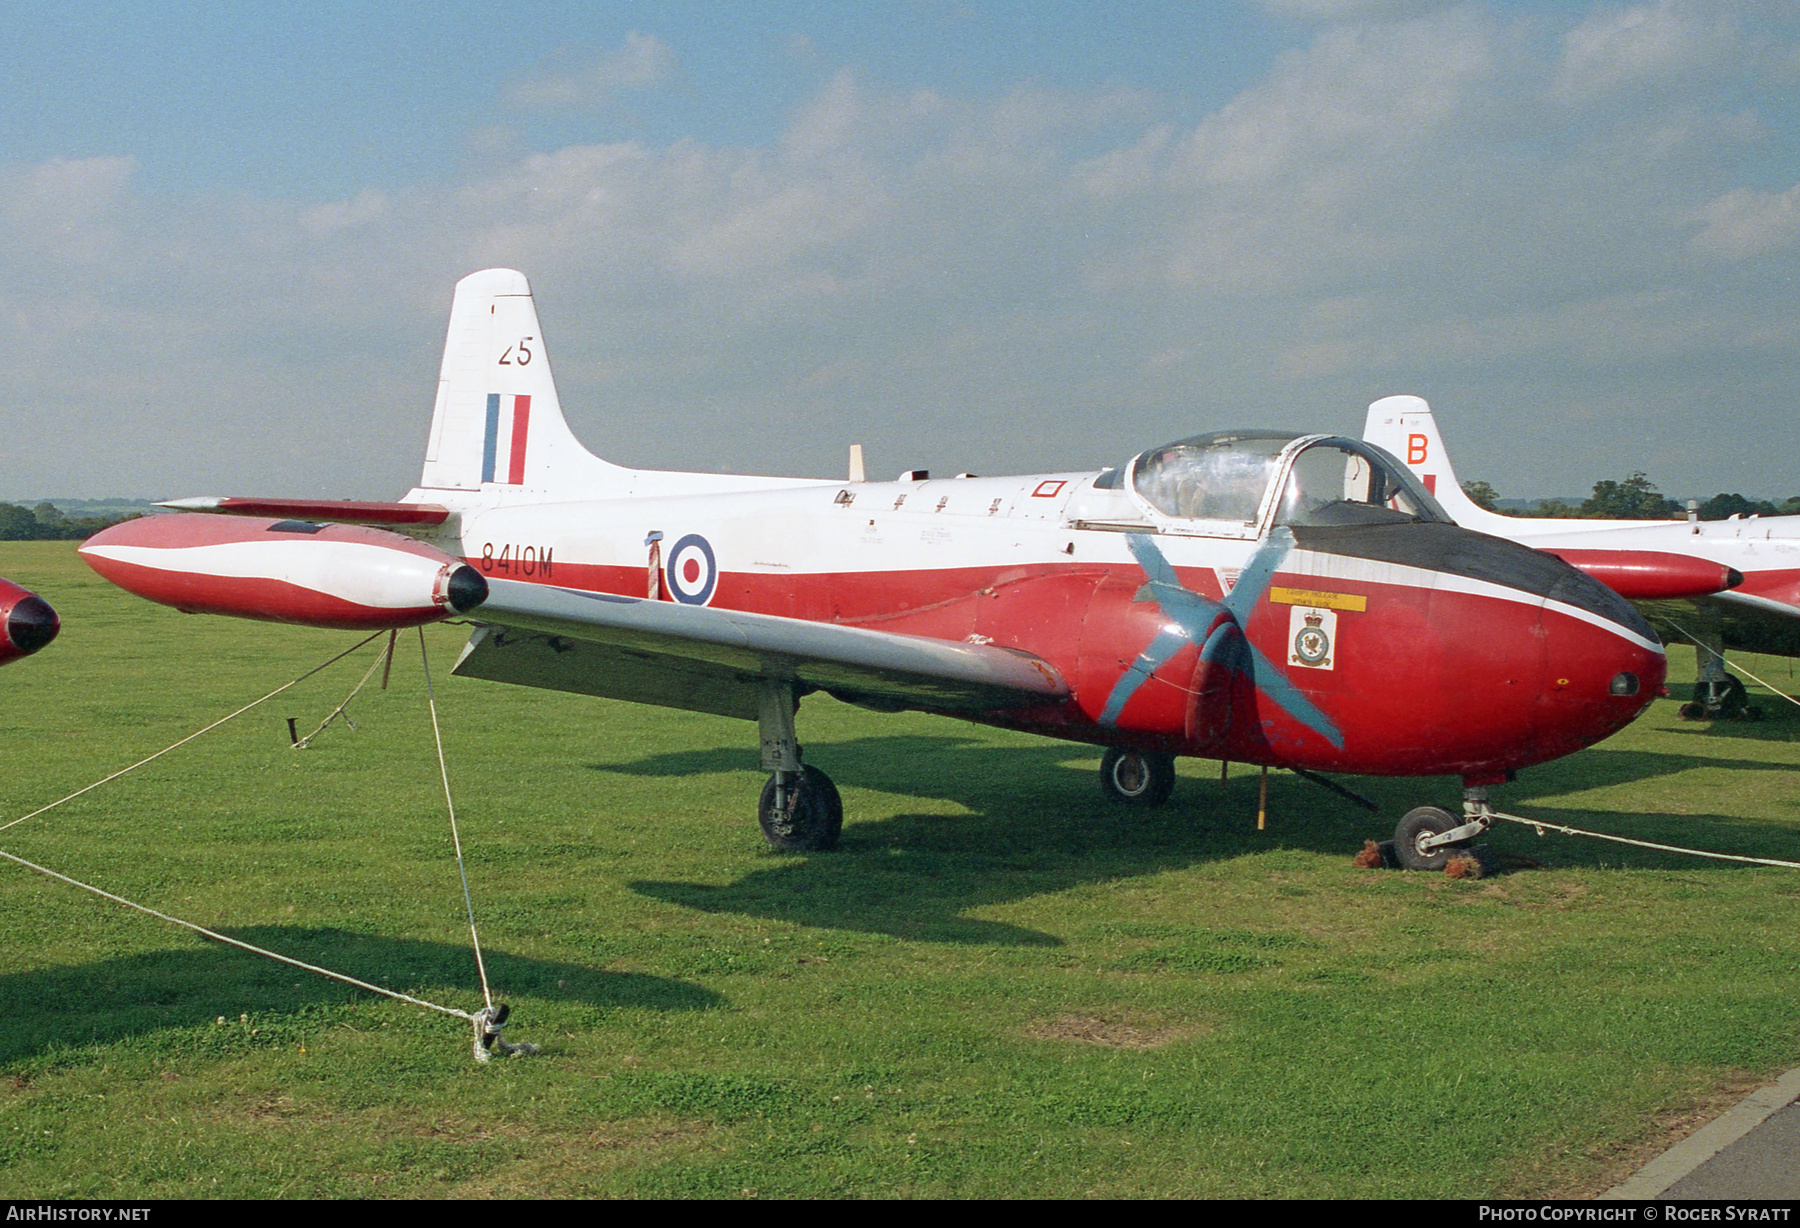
(1313, 634)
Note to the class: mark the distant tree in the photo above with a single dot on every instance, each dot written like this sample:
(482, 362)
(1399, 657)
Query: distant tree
(48, 514)
(1723, 506)
(17, 524)
(1481, 494)
(1636, 498)
(1789, 506)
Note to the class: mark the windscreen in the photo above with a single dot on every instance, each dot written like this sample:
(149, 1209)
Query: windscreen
(1336, 483)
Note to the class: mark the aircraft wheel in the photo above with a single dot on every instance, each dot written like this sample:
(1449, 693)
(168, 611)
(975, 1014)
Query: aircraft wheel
(812, 820)
(834, 804)
(1415, 826)
(1722, 700)
(1691, 711)
(1137, 778)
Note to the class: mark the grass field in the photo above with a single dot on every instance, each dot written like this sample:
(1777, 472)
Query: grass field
(998, 985)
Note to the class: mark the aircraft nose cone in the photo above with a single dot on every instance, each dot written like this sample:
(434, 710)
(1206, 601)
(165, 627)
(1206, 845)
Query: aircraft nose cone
(1603, 665)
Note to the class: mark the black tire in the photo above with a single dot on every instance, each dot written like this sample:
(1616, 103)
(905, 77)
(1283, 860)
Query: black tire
(1722, 700)
(1416, 824)
(813, 824)
(1137, 778)
(834, 805)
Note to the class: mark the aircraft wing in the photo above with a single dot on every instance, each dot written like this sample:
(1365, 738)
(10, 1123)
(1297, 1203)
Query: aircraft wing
(335, 511)
(1742, 620)
(710, 660)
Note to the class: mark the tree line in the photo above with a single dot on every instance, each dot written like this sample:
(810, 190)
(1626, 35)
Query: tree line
(1635, 498)
(47, 522)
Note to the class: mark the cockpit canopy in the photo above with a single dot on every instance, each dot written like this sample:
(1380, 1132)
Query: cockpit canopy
(1228, 478)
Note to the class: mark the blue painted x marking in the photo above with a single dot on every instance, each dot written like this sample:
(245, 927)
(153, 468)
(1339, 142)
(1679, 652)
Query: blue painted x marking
(1191, 618)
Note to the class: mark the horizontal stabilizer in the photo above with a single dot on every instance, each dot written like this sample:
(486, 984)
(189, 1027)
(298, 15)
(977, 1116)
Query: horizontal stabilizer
(711, 660)
(333, 511)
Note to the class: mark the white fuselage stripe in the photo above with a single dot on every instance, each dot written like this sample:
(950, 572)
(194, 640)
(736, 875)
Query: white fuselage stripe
(1346, 567)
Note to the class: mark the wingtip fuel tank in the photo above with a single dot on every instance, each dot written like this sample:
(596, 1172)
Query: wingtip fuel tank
(290, 571)
(27, 622)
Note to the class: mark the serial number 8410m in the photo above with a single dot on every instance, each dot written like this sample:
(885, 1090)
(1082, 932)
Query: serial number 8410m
(516, 560)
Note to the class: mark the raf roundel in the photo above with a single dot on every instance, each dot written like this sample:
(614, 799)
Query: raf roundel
(693, 572)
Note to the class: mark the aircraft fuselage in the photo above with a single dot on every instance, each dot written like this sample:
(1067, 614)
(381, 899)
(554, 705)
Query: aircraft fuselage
(1435, 651)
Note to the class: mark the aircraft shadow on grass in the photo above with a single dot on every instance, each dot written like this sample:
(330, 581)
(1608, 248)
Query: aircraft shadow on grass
(1036, 824)
(115, 999)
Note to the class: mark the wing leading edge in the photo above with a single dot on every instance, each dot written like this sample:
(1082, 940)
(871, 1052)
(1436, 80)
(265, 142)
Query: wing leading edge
(709, 660)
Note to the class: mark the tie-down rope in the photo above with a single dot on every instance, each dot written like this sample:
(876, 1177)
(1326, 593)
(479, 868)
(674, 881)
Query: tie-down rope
(487, 1022)
(234, 942)
(343, 709)
(455, 839)
(1543, 825)
(165, 750)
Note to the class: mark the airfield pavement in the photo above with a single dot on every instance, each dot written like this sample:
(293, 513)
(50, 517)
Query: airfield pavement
(998, 986)
(1751, 1151)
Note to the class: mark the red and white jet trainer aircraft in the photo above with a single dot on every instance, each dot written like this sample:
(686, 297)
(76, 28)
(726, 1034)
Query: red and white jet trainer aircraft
(1723, 583)
(1272, 598)
(27, 622)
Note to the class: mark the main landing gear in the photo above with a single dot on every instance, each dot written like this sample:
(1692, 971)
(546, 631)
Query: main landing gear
(1718, 699)
(800, 810)
(1137, 777)
(1719, 695)
(1428, 836)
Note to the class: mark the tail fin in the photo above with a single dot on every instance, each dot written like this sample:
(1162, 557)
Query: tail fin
(1405, 427)
(497, 420)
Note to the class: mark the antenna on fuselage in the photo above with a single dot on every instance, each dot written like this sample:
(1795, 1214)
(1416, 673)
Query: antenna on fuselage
(856, 464)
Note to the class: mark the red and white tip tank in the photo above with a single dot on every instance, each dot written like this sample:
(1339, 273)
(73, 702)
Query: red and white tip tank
(27, 622)
(290, 571)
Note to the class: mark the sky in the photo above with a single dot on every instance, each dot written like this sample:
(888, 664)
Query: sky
(988, 237)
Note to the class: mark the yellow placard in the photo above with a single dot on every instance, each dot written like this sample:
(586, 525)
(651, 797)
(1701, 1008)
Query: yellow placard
(1327, 601)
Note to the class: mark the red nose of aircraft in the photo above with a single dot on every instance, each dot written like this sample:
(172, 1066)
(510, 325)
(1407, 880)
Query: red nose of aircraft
(27, 622)
(1603, 664)
(1476, 656)
(1583, 668)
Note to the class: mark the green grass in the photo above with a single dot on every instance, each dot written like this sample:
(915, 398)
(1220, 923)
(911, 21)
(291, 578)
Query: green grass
(997, 986)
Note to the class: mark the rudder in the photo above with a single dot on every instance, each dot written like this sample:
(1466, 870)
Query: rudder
(1404, 426)
(497, 420)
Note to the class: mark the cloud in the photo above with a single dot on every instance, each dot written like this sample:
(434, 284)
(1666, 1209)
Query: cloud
(63, 210)
(642, 62)
(1747, 222)
(1348, 10)
(1041, 278)
(1657, 45)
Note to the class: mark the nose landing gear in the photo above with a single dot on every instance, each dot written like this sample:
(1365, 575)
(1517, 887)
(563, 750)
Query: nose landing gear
(1427, 836)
